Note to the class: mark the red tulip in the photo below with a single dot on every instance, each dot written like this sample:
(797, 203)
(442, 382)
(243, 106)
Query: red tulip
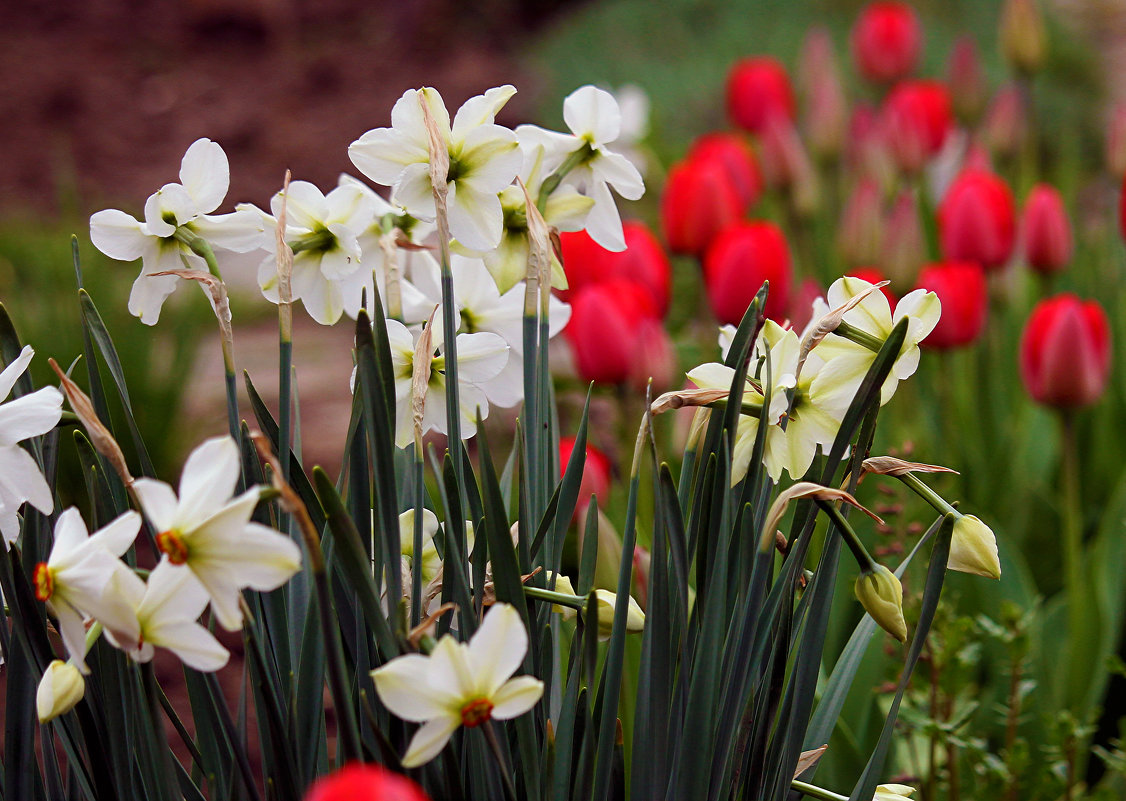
(739, 260)
(758, 89)
(643, 261)
(874, 276)
(819, 84)
(738, 159)
(860, 234)
(786, 164)
(916, 118)
(801, 303)
(654, 357)
(975, 220)
(1116, 141)
(960, 287)
(1046, 230)
(596, 471)
(700, 200)
(886, 41)
(1005, 127)
(1065, 352)
(606, 319)
(358, 782)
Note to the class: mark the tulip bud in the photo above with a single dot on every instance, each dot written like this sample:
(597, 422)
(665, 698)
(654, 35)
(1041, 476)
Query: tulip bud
(607, 601)
(801, 305)
(596, 471)
(867, 151)
(961, 290)
(904, 242)
(975, 220)
(815, 58)
(886, 41)
(881, 595)
(819, 82)
(700, 200)
(973, 548)
(737, 156)
(643, 261)
(743, 256)
(966, 79)
(758, 90)
(562, 585)
(1065, 352)
(356, 782)
(787, 165)
(642, 559)
(860, 234)
(603, 330)
(1046, 230)
(1022, 36)
(916, 119)
(1005, 126)
(60, 690)
(1116, 142)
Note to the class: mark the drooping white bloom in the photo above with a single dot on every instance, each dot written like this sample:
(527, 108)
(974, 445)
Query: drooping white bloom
(480, 358)
(204, 179)
(167, 610)
(484, 158)
(484, 308)
(28, 416)
(973, 548)
(210, 533)
(73, 581)
(607, 601)
(564, 210)
(595, 121)
(893, 792)
(329, 276)
(847, 362)
(460, 684)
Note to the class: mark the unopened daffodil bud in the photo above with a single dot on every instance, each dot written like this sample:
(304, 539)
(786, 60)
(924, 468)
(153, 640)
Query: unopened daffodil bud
(973, 548)
(60, 689)
(562, 584)
(881, 595)
(607, 601)
(893, 792)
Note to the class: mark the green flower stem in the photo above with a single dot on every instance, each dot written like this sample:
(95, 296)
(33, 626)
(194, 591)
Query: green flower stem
(563, 599)
(927, 494)
(863, 558)
(92, 634)
(551, 183)
(859, 336)
(502, 763)
(1072, 526)
(813, 791)
(199, 246)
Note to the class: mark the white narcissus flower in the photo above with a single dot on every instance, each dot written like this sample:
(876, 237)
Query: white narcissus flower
(973, 548)
(22, 418)
(893, 792)
(484, 308)
(607, 601)
(595, 121)
(204, 179)
(480, 359)
(167, 609)
(484, 158)
(329, 276)
(210, 533)
(60, 690)
(74, 580)
(847, 362)
(565, 210)
(460, 684)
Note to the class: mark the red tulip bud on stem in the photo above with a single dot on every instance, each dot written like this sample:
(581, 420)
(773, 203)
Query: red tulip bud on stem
(1046, 231)
(700, 200)
(758, 90)
(741, 258)
(976, 220)
(886, 42)
(966, 80)
(1065, 352)
(961, 289)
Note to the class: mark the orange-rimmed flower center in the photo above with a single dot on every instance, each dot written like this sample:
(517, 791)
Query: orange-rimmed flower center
(44, 581)
(171, 543)
(476, 712)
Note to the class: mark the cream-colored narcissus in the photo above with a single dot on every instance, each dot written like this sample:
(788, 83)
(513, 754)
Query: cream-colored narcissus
(881, 595)
(973, 548)
(60, 690)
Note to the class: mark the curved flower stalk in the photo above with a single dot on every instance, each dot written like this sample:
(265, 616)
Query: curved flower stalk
(460, 684)
(484, 308)
(28, 416)
(177, 217)
(167, 610)
(871, 320)
(210, 533)
(480, 358)
(329, 276)
(74, 580)
(584, 161)
(484, 158)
